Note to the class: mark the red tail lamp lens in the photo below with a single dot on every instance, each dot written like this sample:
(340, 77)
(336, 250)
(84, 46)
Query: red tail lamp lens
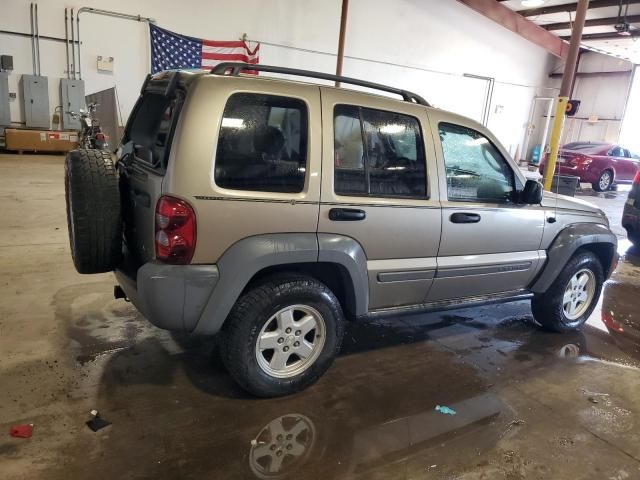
(175, 231)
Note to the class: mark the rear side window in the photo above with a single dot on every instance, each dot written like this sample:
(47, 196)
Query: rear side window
(262, 144)
(616, 152)
(378, 153)
(152, 127)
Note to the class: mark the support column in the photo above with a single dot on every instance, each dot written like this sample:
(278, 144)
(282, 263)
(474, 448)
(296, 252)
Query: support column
(565, 91)
(343, 31)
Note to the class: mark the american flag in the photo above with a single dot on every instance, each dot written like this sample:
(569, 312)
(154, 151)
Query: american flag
(170, 51)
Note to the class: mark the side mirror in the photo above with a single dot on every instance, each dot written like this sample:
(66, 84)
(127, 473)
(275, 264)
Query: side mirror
(532, 193)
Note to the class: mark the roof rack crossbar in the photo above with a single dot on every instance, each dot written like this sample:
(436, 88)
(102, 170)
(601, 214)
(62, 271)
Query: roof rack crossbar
(233, 68)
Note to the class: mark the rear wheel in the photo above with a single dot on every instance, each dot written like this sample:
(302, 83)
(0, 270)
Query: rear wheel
(93, 210)
(282, 335)
(604, 182)
(567, 304)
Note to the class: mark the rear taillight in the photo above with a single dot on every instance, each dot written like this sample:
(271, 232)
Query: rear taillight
(99, 136)
(175, 231)
(636, 179)
(580, 159)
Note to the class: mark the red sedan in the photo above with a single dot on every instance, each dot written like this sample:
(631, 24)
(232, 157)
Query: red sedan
(600, 164)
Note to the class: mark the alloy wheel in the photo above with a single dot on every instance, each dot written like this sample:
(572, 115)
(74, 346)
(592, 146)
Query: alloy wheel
(290, 341)
(605, 180)
(579, 294)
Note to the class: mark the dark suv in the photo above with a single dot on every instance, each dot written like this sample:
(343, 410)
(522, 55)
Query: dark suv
(631, 215)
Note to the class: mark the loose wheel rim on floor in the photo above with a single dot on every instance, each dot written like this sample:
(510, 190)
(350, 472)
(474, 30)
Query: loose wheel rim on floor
(605, 180)
(579, 294)
(281, 445)
(290, 341)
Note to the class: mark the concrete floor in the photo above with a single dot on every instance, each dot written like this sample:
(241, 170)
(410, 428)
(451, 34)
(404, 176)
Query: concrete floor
(529, 404)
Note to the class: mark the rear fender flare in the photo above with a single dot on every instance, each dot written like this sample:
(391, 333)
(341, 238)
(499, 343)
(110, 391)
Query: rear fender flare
(247, 257)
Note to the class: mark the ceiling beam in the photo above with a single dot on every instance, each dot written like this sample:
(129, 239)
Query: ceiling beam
(571, 7)
(594, 22)
(607, 36)
(595, 74)
(509, 19)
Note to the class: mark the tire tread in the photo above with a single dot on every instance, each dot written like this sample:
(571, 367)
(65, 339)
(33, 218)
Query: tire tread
(91, 182)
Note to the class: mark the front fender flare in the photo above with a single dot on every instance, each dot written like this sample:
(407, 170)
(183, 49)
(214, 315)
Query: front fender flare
(565, 245)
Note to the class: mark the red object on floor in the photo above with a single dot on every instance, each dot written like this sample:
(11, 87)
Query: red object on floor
(21, 431)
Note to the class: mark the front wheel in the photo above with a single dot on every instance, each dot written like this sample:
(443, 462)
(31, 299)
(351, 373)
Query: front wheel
(282, 335)
(568, 303)
(604, 182)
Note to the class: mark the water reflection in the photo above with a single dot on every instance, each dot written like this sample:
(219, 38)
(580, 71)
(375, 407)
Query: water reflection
(287, 443)
(282, 446)
(620, 305)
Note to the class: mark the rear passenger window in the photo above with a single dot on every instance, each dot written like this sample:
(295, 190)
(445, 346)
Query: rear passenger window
(262, 144)
(378, 154)
(616, 152)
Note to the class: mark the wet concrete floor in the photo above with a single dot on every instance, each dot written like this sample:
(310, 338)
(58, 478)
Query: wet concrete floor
(530, 404)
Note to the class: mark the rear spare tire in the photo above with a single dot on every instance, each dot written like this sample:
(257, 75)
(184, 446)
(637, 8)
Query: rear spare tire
(93, 210)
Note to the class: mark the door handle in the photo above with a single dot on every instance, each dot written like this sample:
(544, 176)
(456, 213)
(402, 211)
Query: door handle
(346, 214)
(463, 217)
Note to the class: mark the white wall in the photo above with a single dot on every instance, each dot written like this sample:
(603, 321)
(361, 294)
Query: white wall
(420, 45)
(604, 97)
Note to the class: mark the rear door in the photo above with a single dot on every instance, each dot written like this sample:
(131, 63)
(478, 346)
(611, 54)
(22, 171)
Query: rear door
(378, 167)
(490, 244)
(142, 163)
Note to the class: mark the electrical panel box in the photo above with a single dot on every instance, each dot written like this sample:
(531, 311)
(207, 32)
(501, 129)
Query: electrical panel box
(72, 94)
(5, 112)
(6, 62)
(35, 95)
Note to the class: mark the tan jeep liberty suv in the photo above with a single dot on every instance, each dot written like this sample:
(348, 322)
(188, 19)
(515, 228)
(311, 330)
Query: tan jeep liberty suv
(269, 211)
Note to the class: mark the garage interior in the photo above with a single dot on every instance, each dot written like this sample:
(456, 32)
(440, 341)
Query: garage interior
(528, 403)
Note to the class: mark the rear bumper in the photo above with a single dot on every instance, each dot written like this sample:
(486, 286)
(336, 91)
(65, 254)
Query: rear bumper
(171, 297)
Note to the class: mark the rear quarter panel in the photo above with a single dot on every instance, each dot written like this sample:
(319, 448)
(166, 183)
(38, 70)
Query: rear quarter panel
(225, 216)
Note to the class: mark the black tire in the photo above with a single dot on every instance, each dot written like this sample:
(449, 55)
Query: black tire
(548, 308)
(634, 237)
(601, 185)
(93, 211)
(250, 314)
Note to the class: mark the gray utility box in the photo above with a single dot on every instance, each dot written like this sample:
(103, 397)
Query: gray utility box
(72, 94)
(5, 112)
(35, 95)
(565, 184)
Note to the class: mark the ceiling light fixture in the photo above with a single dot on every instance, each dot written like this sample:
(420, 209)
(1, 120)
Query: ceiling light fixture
(532, 3)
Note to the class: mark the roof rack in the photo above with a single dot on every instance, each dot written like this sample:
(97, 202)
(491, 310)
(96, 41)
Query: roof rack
(232, 68)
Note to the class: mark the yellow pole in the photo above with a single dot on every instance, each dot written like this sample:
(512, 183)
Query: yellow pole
(565, 91)
(554, 141)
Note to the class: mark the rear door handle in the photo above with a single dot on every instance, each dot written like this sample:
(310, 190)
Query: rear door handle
(463, 217)
(346, 214)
